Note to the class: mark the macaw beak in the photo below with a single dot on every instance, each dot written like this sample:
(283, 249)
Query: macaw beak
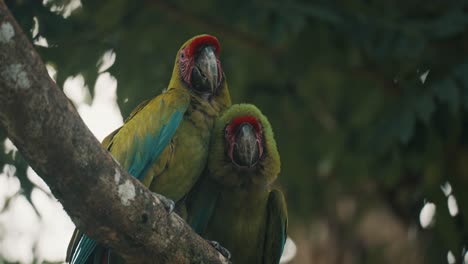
(246, 147)
(205, 73)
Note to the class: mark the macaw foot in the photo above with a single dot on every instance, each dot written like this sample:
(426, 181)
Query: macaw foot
(168, 203)
(220, 249)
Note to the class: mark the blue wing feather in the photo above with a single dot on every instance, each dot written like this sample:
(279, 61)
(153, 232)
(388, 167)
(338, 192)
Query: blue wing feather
(276, 231)
(154, 145)
(283, 237)
(201, 205)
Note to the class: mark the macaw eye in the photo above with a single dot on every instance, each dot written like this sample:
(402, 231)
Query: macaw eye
(182, 55)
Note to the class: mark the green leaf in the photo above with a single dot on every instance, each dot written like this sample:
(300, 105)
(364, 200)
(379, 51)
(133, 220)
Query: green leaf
(461, 76)
(405, 126)
(424, 107)
(447, 92)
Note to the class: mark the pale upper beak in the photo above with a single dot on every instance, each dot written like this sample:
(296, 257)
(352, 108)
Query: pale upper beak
(246, 149)
(205, 73)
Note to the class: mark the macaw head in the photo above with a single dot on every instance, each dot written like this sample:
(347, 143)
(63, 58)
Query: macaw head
(244, 141)
(198, 66)
(243, 149)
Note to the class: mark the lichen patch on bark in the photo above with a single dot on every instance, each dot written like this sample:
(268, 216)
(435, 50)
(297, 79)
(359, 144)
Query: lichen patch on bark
(7, 32)
(15, 73)
(126, 192)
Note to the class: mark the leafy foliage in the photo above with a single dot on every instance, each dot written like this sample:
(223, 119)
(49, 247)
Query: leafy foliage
(342, 84)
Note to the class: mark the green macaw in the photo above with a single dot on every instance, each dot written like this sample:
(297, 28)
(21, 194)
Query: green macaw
(233, 203)
(164, 142)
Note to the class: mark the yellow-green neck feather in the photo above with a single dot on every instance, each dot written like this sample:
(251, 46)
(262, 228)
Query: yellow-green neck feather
(220, 167)
(176, 80)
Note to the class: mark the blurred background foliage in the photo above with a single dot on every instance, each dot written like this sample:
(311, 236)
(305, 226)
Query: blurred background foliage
(368, 100)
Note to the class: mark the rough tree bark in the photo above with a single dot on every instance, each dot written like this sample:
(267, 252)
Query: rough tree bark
(101, 198)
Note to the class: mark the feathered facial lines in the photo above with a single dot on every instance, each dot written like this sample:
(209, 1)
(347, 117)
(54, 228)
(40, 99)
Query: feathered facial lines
(244, 141)
(199, 64)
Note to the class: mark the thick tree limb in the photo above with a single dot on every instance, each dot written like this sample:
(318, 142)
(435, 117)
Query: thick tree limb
(101, 198)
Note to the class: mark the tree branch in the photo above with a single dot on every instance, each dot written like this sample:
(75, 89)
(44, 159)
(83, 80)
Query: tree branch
(102, 199)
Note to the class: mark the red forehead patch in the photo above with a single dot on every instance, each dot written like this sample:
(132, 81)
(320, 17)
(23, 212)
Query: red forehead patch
(236, 122)
(202, 41)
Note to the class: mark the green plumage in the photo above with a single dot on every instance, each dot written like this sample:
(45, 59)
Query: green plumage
(236, 206)
(164, 142)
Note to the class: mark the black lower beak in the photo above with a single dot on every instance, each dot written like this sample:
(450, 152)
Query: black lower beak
(205, 72)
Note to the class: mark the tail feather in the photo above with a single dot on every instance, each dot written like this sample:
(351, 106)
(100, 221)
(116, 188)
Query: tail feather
(106, 257)
(84, 249)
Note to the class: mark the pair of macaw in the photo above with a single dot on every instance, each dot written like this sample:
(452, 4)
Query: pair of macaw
(216, 161)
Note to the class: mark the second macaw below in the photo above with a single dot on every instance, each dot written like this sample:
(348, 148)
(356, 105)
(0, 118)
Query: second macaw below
(233, 202)
(164, 142)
